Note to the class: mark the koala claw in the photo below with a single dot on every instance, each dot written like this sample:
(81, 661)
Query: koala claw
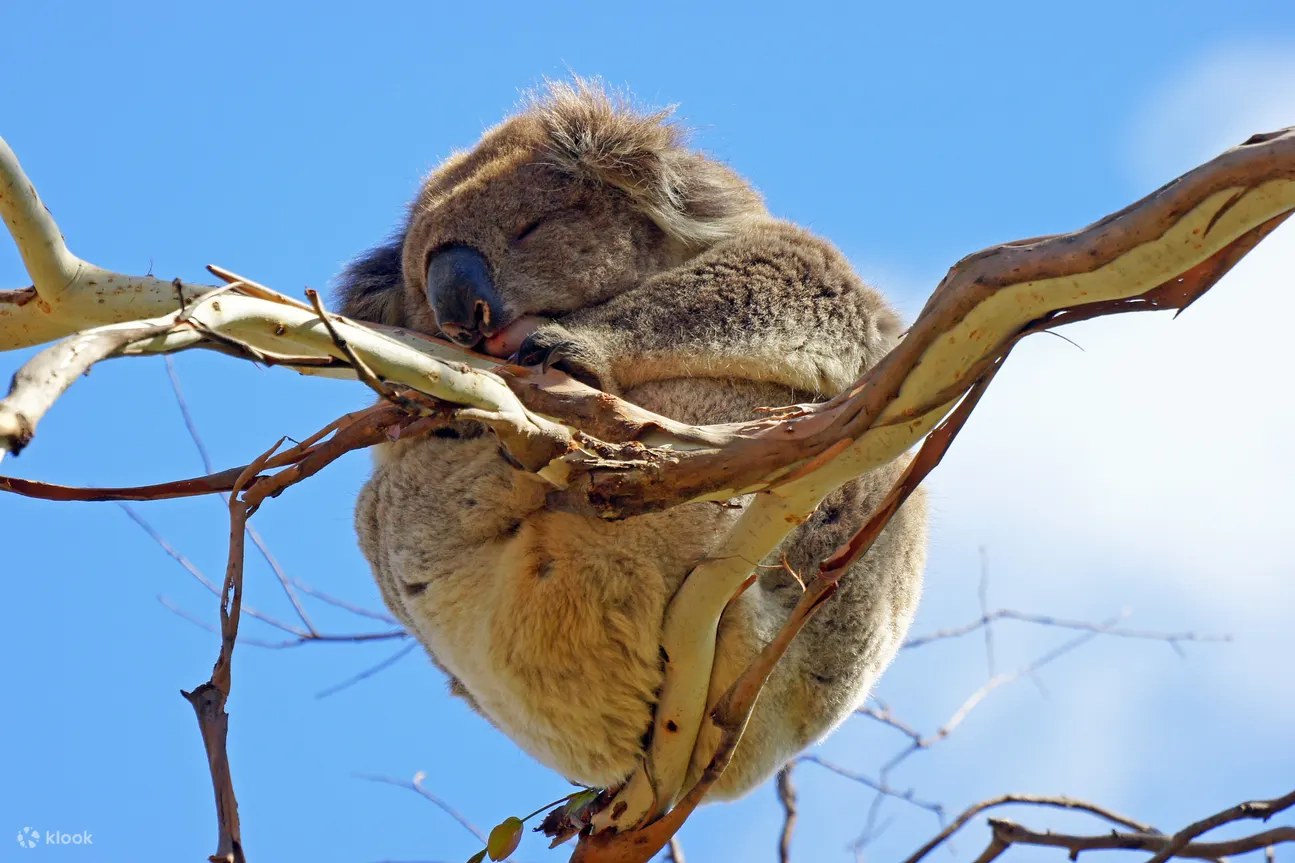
(554, 347)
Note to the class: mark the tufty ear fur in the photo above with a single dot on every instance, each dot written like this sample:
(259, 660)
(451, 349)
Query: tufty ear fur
(372, 287)
(694, 199)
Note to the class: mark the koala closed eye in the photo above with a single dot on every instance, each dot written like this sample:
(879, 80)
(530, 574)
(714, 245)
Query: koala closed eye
(525, 232)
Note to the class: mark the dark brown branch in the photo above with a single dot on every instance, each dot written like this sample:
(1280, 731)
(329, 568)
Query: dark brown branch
(354, 430)
(209, 699)
(1030, 800)
(1008, 833)
(1260, 809)
(787, 797)
(214, 483)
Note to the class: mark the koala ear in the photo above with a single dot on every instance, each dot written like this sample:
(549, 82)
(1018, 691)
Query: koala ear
(705, 200)
(372, 287)
(692, 198)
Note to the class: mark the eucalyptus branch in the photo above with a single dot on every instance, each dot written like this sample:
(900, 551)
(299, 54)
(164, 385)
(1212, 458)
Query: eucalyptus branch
(612, 460)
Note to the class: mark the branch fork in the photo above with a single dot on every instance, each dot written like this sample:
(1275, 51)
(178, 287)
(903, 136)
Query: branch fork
(608, 458)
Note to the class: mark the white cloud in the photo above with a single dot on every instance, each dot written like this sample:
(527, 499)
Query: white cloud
(1166, 441)
(1156, 466)
(1216, 103)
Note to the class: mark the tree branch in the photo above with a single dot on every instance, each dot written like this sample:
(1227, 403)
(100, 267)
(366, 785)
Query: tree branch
(1160, 253)
(1026, 799)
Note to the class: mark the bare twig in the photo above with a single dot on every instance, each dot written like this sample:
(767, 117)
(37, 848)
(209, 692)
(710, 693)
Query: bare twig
(356, 430)
(1029, 800)
(368, 672)
(880, 786)
(328, 599)
(208, 699)
(416, 785)
(299, 636)
(212, 484)
(191, 426)
(1260, 809)
(362, 370)
(1008, 833)
(986, 619)
(883, 714)
(787, 797)
(974, 699)
(983, 595)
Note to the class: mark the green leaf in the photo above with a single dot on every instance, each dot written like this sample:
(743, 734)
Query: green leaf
(505, 838)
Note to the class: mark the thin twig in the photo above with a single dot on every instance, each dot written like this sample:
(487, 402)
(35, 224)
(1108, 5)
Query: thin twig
(191, 426)
(1027, 800)
(368, 672)
(1261, 809)
(327, 598)
(883, 714)
(1008, 833)
(877, 785)
(416, 785)
(974, 699)
(985, 620)
(199, 576)
(299, 636)
(208, 699)
(787, 797)
(362, 370)
(983, 596)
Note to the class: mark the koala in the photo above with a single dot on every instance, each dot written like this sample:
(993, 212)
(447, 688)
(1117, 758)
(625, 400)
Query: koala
(586, 234)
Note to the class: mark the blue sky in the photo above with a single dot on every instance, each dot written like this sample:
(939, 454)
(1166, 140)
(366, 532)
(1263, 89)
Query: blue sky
(1146, 472)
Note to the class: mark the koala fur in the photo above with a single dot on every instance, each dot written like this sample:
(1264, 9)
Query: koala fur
(665, 280)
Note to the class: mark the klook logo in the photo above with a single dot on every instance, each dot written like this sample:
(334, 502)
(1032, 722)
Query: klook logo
(59, 837)
(30, 838)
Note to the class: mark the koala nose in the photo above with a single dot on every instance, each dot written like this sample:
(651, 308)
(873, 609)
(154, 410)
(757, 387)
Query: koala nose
(463, 295)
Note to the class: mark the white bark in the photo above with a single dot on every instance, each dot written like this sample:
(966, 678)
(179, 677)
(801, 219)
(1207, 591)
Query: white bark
(975, 316)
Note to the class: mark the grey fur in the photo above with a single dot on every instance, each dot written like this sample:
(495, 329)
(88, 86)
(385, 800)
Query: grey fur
(669, 283)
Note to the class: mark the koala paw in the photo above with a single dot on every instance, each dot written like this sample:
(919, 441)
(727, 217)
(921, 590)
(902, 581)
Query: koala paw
(553, 346)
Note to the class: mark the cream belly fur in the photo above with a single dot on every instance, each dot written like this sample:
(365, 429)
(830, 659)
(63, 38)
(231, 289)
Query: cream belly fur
(551, 621)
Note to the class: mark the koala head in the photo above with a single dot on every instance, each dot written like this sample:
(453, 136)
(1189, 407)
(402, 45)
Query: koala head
(573, 200)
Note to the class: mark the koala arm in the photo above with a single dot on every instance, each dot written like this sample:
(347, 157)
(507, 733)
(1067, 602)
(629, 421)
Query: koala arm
(773, 304)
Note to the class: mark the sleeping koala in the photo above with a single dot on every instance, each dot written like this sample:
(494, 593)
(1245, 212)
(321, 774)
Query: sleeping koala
(583, 233)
